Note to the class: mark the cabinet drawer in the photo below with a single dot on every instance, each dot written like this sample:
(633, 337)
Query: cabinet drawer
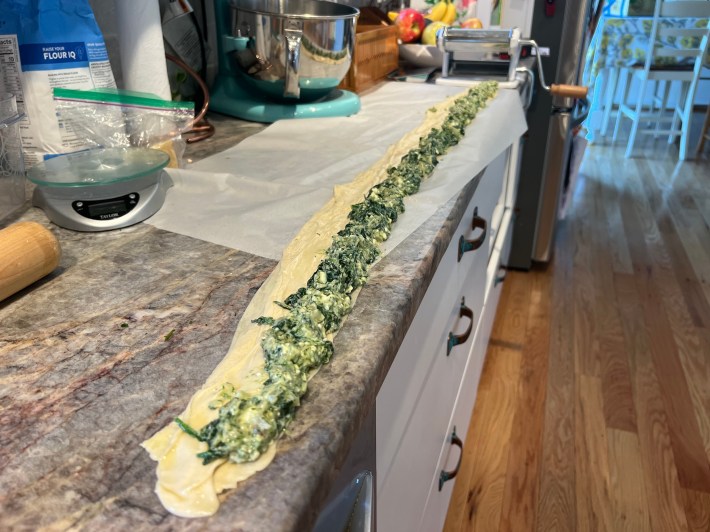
(507, 241)
(501, 203)
(437, 504)
(501, 251)
(414, 455)
(426, 336)
(488, 194)
(415, 403)
(407, 462)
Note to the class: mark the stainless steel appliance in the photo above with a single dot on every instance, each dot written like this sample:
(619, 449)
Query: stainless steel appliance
(283, 59)
(561, 25)
(552, 114)
(494, 51)
(477, 46)
(295, 48)
(472, 56)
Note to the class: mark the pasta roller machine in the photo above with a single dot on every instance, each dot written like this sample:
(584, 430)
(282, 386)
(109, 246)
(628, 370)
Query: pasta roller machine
(493, 54)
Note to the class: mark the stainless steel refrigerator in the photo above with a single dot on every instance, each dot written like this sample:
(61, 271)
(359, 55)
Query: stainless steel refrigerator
(563, 26)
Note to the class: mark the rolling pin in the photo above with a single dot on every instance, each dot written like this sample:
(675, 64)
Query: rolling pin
(28, 252)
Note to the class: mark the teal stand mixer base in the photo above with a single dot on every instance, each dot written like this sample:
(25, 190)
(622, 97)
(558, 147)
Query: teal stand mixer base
(229, 97)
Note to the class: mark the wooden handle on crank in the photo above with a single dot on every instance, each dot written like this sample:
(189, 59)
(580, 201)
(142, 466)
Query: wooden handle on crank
(29, 252)
(569, 91)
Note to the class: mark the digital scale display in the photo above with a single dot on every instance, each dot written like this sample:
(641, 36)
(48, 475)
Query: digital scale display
(110, 209)
(107, 209)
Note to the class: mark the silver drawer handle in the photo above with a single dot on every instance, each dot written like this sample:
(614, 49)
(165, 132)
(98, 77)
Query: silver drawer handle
(473, 244)
(445, 476)
(456, 339)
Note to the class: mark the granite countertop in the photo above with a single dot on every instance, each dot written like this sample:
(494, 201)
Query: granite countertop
(105, 351)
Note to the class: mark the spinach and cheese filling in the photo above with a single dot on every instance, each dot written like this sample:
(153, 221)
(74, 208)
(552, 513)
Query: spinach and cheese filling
(298, 343)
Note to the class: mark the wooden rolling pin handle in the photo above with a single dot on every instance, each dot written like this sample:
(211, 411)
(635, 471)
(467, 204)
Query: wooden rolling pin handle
(28, 252)
(569, 91)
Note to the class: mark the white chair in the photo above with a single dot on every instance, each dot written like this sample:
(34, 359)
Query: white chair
(662, 76)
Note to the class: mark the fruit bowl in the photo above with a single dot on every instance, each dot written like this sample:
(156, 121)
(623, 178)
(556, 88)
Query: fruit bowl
(421, 55)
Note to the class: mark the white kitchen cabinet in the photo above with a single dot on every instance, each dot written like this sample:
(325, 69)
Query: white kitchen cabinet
(418, 387)
(437, 504)
(427, 391)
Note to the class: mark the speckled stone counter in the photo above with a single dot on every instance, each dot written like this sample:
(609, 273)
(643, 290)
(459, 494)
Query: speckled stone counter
(105, 351)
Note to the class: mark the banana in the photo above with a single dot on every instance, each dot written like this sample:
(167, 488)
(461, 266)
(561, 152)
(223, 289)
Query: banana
(392, 15)
(438, 11)
(450, 15)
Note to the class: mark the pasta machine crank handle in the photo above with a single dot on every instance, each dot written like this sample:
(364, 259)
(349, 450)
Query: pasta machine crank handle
(569, 91)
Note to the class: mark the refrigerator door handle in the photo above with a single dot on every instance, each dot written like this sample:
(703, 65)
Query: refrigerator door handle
(579, 112)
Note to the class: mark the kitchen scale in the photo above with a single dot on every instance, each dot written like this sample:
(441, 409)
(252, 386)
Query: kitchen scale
(102, 189)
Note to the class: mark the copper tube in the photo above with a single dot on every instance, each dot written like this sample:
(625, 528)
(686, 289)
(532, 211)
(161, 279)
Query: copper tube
(196, 126)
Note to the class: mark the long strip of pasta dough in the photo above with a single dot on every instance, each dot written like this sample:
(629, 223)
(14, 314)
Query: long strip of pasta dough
(184, 485)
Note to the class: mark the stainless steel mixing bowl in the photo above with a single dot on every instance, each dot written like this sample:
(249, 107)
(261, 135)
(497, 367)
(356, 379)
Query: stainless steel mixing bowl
(296, 49)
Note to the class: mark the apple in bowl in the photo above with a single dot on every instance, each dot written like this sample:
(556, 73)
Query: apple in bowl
(472, 24)
(410, 25)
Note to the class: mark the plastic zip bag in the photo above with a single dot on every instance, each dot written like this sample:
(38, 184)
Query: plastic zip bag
(108, 118)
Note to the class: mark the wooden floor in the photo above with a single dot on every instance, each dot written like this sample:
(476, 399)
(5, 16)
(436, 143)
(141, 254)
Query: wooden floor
(593, 411)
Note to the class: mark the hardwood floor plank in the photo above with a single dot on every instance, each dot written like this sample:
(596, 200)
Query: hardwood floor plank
(699, 368)
(593, 496)
(689, 340)
(672, 205)
(477, 499)
(523, 470)
(615, 240)
(697, 508)
(600, 244)
(703, 206)
(510, 327)
(619, 410)
(691, 287)
(663, 489)
(478, 492)
(628, 489)
(675, 175)
(679, 207)
(683, 206)
(556, 507)
(672, 341)
(585, 352)
(694, 237)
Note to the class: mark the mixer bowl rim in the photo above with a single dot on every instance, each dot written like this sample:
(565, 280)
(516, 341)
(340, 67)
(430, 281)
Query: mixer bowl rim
(352, 12)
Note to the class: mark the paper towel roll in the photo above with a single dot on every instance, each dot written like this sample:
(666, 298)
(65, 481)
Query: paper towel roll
(141, 44)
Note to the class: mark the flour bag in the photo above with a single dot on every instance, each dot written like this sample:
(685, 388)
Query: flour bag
(46, 44)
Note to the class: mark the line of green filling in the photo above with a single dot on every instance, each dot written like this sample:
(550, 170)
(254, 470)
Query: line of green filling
(297, 343)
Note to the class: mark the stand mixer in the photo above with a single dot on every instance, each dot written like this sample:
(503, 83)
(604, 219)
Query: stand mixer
(283, 59)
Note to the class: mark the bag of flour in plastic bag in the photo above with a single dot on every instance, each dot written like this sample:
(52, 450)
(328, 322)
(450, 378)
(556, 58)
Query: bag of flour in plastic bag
(46, 44)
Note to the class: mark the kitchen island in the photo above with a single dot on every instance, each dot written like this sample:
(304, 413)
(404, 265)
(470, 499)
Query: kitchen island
(108, 349)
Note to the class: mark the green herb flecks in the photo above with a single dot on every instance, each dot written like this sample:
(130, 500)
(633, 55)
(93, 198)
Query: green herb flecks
(297, 343)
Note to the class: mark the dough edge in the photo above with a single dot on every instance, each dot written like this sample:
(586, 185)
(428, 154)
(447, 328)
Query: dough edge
(186, 487)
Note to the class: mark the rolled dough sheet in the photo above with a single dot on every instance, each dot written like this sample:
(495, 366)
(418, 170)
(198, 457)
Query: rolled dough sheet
(185, 486)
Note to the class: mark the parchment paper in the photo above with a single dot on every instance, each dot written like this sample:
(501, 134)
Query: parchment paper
(257, 195)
